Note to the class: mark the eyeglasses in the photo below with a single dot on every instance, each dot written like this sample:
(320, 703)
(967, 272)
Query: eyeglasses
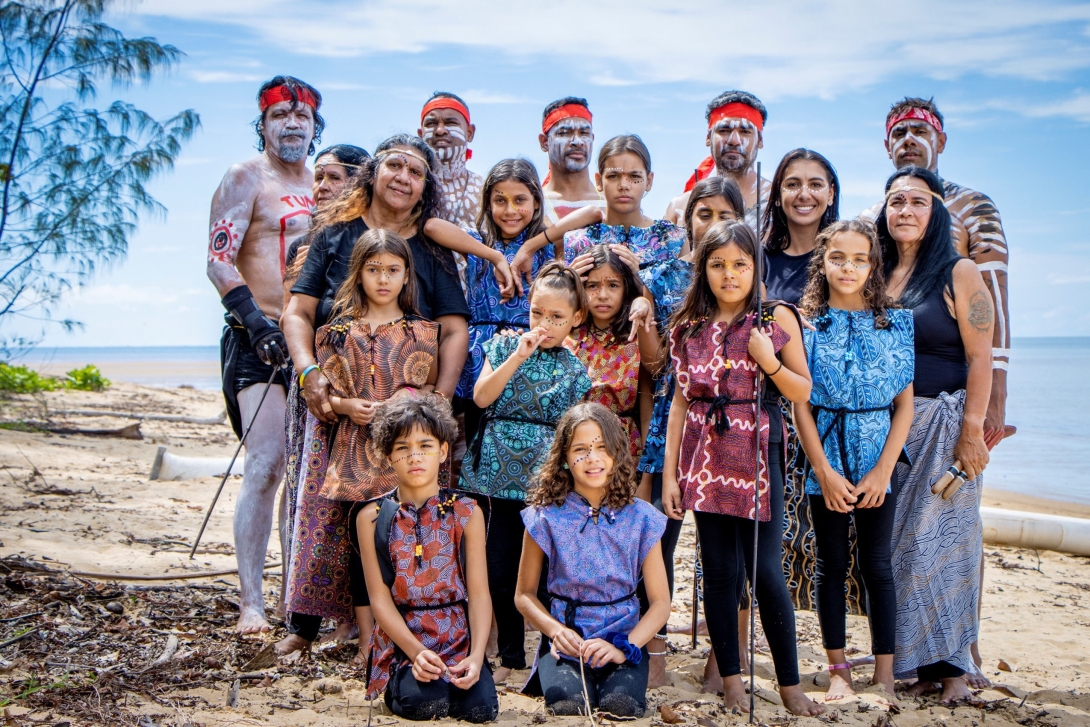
(792, 187)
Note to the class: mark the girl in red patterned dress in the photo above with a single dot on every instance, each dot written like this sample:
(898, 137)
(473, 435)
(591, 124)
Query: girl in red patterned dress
(607, 343)
(717, 351)
(424, 558)
(373, 348)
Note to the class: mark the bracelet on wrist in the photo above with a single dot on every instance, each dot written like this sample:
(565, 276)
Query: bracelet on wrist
(545, 232)
(776, 371)
(304, 372)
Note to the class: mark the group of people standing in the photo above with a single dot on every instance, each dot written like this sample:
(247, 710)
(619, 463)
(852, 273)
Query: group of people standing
(493, 400)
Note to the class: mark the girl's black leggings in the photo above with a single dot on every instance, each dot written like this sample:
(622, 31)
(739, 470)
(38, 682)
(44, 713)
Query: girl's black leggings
(874, 527)
(724, 540)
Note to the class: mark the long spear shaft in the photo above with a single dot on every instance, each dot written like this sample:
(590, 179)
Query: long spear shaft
(227, 474)
(758, 277)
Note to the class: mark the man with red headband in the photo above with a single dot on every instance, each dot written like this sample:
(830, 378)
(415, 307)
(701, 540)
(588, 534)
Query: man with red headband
(260, 208)
(736, 122)
(567, 136)
(915, 137)
(446, 128)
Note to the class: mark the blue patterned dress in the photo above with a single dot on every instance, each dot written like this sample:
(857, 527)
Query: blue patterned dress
(667, 282)
(517, 429)
(857, 372)
(595, 562)
(488, 309)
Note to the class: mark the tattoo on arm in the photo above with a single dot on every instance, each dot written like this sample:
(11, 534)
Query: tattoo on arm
(980, 312)
(223, 242)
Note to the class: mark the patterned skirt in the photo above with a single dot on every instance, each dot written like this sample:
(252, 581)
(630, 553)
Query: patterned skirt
(295, 426)
(318, 579)
(937, 546)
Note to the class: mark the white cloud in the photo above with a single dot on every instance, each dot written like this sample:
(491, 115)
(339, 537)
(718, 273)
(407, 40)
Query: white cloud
(224, 77)
(1076, 107)
(485, 97)
(791, 49)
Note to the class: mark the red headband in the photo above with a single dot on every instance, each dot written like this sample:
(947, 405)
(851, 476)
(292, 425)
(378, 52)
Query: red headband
(444, 102)
(914, 113)
(276, 94)
(736, 110)
(568, 111)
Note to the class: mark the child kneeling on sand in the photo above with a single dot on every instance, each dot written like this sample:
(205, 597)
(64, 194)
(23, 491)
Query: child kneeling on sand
(424, 561)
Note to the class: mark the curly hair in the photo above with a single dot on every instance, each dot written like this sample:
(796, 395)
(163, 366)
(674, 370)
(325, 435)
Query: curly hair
(554, 480)
(399, 416)
(815, 296)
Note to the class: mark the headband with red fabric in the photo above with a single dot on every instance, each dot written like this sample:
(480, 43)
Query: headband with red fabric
(733, 110)
(446, 102)
(914, 113)
(567, 111)
(276, 94)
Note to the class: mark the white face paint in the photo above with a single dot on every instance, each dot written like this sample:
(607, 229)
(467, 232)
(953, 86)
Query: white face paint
(288, 131)
(912, 143)
(570, 144)
(734, 145)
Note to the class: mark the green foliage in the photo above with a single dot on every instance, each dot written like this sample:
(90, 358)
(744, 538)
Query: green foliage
(72, 177)
(22, 380)
(89, 378)
(32, 686)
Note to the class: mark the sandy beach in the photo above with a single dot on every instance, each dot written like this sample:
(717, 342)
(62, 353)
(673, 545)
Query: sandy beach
(79, 503)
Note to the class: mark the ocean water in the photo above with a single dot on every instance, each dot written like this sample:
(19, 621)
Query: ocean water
(1048, 400)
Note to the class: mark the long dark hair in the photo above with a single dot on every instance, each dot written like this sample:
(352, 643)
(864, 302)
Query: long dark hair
(815, 297)
(700, 304)
(936, 255)
(603, 255)
(349, 156)
(518, 170)
(351, 300)
(554, 482)
(355, 202)
(774, 225)
(724, 187)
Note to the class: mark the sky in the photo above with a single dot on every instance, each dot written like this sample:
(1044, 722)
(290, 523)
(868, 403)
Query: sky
(1011, 78)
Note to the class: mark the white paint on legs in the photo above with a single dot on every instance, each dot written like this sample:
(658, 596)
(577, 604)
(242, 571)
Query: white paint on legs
(265, 455)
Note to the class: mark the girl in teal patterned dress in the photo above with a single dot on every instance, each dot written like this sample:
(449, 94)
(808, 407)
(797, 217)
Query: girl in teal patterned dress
(525, 385)
(861, 358)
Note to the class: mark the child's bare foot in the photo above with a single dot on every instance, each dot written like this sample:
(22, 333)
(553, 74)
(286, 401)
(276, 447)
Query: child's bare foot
(500, 675)
(887, 685)
(291, 644)
(955, 689)
(344, 632)
(656, 664)
(360, 659)
(713, 683)
(735, 696)
(921, 688)
(798, 703)
(976, 679)
(840, 685)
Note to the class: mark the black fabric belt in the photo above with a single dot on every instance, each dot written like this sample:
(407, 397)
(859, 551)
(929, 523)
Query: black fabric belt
(840, 418)
(571, 605)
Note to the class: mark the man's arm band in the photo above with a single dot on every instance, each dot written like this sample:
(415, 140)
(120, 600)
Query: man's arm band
(240, 303)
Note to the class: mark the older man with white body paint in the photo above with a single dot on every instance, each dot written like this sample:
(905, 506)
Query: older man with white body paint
(261, 207)
(736, 121)
(915, 137)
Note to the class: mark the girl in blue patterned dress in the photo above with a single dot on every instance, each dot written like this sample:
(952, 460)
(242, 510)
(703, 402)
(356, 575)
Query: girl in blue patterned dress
(526, 384)
(599, 540)
(861, 358)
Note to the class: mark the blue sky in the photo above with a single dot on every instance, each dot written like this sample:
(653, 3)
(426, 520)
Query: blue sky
(1013, 80)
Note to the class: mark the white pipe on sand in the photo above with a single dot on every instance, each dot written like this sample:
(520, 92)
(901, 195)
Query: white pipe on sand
(169, 466)
(1036, 530)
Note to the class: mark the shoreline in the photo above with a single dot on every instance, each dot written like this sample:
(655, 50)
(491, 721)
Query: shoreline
(1011, 500)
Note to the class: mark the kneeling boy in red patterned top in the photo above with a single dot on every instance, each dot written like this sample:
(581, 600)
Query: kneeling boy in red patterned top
(424, 559)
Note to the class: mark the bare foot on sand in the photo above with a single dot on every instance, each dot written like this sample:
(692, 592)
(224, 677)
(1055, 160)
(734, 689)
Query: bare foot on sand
(344, 632)
(701, 628)
(500, 675)
(291, 644)
(798, 703)
(735, 696)
(954, 690)
(252, 621)
(976, 679)
(713, 683)
(360, 659)
(921, 688)
(840, 685)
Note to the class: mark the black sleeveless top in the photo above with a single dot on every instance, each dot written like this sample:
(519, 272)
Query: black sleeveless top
(940, 354)
(785, 275)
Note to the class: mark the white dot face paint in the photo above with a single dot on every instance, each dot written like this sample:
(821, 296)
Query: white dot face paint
(570, 144)
(734, 145)
(912, 143)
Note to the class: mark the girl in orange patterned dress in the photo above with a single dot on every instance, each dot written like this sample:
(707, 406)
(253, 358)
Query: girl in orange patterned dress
(607, 343)
(374, 348)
